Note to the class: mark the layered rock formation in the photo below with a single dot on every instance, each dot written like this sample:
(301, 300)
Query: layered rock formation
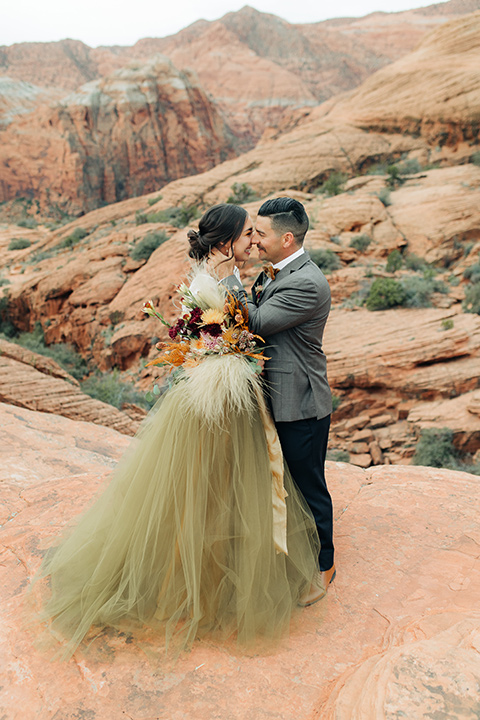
(29, 380)
(259, 68)
(261, 71)
(120, 136)
(404, 603)
(88, 290)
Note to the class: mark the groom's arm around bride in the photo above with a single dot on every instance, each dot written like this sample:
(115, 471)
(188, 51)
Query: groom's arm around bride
(290, 313)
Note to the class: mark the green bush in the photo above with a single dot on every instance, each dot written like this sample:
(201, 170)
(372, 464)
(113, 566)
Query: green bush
(326, 260)
(476, 158)
(394, 176)
(335, 402)
(18, 244)
(63, 353)
(146, 246)
(29, 223)
(435, 449)
(410, 166)
(361, 242)
(471, 303)
(394, 261)
(140, 218)
(384, 293)
(74, 237)
(447, 324)
(384, 197)
(7, 328)
(242, 193)
(108, 388)
(338, 456)
(152, 201)
(415, 263)
(177, 216)
(334, 184)
(418, 290)
(472, 273)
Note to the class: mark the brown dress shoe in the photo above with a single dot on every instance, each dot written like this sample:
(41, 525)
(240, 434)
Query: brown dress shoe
(318, 588)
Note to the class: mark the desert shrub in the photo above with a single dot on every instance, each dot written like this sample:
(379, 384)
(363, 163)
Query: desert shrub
(19, 243)
(447, 324)
(384, 196)
(335, 402)
(394, 261)
(394, 176)
(418, 290)
(377, 169)
(361, 242)
(326, 260)
(242, 193)
(42, 255)
(74, 237)
(29, 223)
(334, 184)
(338, 456)
(409, 166)
(472, 273)
(7, 328)
(177, 216)
(145, 247)
(453, 280)
(4, 281)
(384, 293)
(435, 448)
(415, 263)
(63, 353)
(140, 218)
(476, 158)
(108, 388)
(471, 303)
(152, 201)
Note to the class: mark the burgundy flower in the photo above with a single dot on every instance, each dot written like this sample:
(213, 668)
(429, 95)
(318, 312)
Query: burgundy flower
(212, 329)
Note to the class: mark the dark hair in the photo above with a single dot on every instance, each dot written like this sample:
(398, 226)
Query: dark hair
(221, 224)
(287, 215)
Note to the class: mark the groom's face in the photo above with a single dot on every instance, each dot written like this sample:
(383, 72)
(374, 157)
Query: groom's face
(270, 245)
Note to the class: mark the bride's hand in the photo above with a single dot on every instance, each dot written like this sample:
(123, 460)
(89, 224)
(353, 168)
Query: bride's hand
(222, 265)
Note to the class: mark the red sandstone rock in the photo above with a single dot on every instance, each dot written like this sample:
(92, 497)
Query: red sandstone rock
(160, 126)
(403, 604)
(29, 380)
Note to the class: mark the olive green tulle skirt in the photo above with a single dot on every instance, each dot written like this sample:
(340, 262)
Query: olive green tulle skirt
(182, 538)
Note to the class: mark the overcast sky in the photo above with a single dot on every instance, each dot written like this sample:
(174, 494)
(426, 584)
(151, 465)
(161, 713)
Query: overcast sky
(123, 22)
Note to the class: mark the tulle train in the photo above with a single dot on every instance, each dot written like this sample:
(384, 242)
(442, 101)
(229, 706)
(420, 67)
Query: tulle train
(182, 538)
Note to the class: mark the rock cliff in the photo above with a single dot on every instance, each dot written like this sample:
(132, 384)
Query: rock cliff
(114, 138)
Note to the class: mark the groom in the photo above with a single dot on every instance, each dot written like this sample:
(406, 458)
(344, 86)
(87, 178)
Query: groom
(290, 312)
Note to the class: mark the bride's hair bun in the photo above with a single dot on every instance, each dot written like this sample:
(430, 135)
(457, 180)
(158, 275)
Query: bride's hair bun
(198, 250)
(221, 224)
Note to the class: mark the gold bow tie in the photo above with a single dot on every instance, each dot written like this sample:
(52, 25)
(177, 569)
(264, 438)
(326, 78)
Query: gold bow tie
(270, 271)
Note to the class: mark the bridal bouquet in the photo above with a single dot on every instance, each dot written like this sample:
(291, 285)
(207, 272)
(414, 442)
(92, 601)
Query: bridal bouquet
(213, 322)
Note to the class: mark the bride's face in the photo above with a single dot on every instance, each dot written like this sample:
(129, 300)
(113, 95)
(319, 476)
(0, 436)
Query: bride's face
(243, 245)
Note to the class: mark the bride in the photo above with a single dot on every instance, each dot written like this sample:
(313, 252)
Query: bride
(201, 529)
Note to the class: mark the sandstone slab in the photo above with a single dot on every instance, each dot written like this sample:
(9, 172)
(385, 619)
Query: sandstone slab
(404, 603)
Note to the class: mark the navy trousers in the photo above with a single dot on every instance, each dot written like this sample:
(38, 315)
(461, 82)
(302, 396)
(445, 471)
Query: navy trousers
(304, 446)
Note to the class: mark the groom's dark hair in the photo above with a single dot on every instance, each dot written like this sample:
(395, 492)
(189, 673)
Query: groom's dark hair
(287, 215)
